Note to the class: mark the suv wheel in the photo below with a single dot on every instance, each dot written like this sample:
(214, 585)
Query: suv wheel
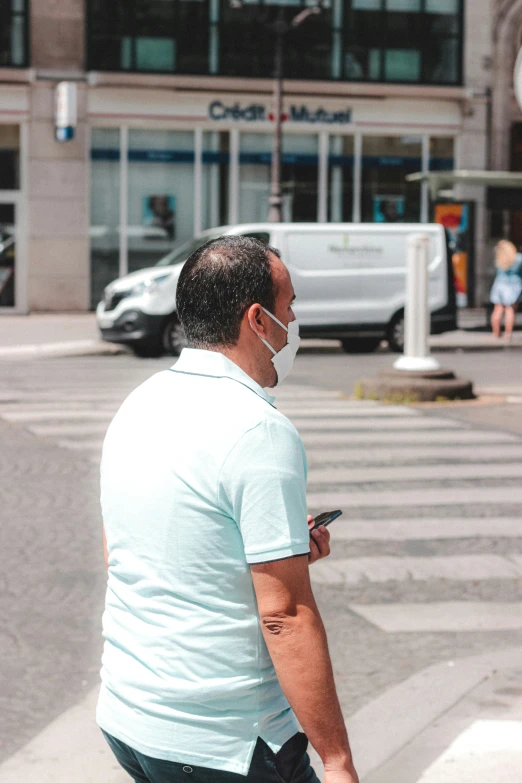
(360, 344)
(395, 335)
(174, 339)
(146, 349)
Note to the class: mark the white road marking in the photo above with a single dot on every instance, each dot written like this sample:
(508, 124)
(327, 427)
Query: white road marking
(457, 437)
(81, 445)
(458, 496)
(461, 568)
(398, 423)
(346, 411)
(447, 616)
(41, 415)
(317, 457)
(440, 472)
(60, 430)
(345, 529)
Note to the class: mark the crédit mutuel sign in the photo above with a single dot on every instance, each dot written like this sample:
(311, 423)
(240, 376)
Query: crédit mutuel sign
(257, 112)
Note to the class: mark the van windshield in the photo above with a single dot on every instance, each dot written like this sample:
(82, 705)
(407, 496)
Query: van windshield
(181, 253)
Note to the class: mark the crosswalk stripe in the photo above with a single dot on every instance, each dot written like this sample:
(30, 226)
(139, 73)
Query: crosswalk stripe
(438, 472)
(59, 430)
(341, 411)
(442, 616)
(504, 452)
(431, 496)
(40, 415)
(82, 445)
(346, 529)
(457, 437)
(461, 568)
(399, 423)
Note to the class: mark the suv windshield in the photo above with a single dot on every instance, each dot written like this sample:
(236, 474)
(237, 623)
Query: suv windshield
(181, 253)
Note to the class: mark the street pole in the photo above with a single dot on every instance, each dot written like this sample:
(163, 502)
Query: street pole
(275, 201)
(417, 357)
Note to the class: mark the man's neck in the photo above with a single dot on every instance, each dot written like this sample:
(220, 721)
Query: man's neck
(245, 361)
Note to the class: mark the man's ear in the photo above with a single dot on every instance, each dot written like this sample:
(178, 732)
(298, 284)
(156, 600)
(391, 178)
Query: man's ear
(255, 319)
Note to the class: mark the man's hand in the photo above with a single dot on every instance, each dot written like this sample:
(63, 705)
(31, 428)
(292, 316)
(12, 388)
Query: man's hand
(319, 542)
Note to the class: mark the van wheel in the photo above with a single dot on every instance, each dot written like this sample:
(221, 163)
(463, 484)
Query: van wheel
(146, 349)
(395, 334)
(174, 339)
(360, 344)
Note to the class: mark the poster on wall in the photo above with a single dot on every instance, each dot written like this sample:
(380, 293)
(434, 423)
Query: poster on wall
(388, 209)
(456, 218)
(159, 213)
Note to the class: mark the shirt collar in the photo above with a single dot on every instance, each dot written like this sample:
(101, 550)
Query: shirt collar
(197, 361)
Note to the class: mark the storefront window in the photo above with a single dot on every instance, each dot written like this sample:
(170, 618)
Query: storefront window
(9, 157)
(442, 153)
(340, 179)
(105, 209)
(214, 185)
(7, 254)
(13, 33)
(161, 194)
(299, 172)
(254, 176)
(386, 196)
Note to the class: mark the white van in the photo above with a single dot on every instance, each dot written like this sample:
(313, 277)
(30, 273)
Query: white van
(349, 280)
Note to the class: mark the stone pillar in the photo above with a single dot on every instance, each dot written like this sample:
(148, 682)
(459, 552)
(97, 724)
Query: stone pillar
(473, 143)
(58, 209)
(57, 172)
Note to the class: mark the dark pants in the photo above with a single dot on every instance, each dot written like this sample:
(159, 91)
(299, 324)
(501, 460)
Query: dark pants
(290, 765)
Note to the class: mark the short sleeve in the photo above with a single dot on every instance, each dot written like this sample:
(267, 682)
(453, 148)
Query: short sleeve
(262, 486)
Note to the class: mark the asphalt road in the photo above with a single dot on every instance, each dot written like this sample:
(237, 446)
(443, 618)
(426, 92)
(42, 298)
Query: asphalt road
(52, 571)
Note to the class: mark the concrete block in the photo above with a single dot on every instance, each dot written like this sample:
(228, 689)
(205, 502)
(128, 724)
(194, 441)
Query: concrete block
(57, 43)
(60, 293)
(59, 257)
(42, 143)
(52, 218)
(57, 178)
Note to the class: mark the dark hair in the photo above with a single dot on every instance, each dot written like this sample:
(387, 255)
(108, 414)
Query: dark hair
(218, 283)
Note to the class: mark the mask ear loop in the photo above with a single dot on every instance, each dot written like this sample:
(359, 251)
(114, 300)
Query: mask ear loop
(272, 316)
(262, 338)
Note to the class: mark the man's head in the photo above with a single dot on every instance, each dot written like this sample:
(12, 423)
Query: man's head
(222, 290)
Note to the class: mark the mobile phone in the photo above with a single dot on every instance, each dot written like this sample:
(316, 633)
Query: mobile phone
(325, 519)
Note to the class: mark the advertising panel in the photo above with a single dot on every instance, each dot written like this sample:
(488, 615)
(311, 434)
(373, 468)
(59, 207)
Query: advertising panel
(457, 219)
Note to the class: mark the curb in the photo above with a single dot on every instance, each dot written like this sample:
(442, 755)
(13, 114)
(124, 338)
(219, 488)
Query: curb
(386, 725)
(62, 349)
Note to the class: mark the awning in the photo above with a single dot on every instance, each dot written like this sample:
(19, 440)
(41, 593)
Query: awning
(440, 180)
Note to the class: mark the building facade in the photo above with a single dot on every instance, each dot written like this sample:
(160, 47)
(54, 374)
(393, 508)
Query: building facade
(175, 122)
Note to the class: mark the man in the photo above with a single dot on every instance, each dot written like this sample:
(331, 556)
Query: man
(214, 643)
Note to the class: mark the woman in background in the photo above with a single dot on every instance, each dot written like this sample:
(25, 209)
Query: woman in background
(507, 287)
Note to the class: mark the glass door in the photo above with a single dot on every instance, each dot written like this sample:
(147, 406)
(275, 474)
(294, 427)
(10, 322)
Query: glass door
(8, 267)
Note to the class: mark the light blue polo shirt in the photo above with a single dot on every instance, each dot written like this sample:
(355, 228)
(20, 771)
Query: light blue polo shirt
(201, 476)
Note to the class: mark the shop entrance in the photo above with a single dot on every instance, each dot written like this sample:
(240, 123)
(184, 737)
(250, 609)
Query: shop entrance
(9, 272)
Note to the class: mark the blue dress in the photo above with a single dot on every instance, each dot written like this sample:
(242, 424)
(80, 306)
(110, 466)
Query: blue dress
(507, 286)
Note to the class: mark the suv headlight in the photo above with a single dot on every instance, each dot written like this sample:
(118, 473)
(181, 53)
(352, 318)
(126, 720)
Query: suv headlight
(148, 286)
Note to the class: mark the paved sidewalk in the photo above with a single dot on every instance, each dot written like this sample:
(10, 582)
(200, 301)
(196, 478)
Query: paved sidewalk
(454, 722)
(76, 334)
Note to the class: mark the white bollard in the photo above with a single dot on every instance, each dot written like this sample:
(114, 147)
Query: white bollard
(416, 357)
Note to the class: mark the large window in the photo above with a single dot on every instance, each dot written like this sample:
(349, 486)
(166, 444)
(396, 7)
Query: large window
(13, 33)
(407, 41)
(386, 196)
(403, 41)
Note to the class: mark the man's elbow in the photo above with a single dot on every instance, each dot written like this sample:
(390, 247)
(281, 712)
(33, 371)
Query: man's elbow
(280, 623)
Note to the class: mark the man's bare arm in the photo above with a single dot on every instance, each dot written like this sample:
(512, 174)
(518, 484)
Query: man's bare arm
(296, 639)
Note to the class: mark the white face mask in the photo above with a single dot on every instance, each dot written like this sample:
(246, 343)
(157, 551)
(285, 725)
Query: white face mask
(283, 360)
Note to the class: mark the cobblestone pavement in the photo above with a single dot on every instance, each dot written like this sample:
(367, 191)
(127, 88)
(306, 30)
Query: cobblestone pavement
(425, 524)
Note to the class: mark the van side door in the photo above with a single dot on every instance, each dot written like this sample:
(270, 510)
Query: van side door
(324, 273)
